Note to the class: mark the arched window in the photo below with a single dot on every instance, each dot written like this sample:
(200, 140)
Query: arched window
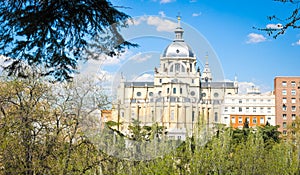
(171, 68)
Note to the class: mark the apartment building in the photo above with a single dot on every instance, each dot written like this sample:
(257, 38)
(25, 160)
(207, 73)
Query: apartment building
(287, 101)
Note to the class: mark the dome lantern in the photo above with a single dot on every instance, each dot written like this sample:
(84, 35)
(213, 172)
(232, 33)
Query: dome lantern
(178, 48)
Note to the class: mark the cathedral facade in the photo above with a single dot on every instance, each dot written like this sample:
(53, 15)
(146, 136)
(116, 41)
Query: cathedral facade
(180, 98)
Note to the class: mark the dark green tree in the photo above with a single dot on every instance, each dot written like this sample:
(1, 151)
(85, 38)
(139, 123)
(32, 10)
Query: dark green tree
(246, 123)
(51, 36)
(269, 133)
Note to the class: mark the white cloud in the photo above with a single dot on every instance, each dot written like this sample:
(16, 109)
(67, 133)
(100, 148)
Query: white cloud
(196, 14)
(166, 1)
(296, 43)
(161, 24)
(255, 38)
(244, 86)
(162, 14)
(141, 57)
(274, 26)
(137, 21)
(145, 78)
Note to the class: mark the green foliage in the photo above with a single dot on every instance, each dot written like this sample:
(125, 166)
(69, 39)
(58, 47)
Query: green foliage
(40, 133)
(56, 34)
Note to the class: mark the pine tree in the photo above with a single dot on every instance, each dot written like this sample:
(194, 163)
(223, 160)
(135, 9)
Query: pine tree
(54, 35)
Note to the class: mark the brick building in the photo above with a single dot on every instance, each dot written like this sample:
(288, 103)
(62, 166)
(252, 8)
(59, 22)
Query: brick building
(287, 101)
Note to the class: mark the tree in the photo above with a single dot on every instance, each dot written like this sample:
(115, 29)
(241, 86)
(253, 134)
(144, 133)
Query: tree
(246, 124)
(41, 130)
(292, 21)
(53, 35)
(270, 134)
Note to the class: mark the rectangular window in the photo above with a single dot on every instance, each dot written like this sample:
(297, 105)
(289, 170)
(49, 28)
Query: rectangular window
(254, 109)
(294, 116)
(254, 120)
(232, 109)
(283, 100)
(160, 80)
(293, 92)
(283, 92)
(240, 101)
(232, 119)
(284, 108)
(293, 100)
(240, 109)
(283, 83)
(269, 110)
(293, 83)
(247, 109)
(262, 120)
(293, 108)
(284, 116)
(216, 117)
(261, 109)
(284, 124)
(284, 132)
(174, 90)
(180, 90)
(226, 109)
(240, 120)
(193, 115)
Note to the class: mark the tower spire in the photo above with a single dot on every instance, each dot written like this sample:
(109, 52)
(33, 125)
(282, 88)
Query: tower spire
(179, 31)
(206, 75)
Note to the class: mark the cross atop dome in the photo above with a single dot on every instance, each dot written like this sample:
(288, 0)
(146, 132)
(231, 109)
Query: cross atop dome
(178, 19)
(179, 31)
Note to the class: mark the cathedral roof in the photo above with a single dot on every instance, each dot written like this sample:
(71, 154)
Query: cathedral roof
(178, 48)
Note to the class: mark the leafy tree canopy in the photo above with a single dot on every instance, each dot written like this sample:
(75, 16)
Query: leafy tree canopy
(55, 34)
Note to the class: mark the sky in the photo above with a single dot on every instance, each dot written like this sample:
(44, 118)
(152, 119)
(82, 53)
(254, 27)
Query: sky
(222, 30)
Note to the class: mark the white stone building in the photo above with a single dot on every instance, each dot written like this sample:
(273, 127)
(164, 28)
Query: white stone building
(257, 108)
(179, 98)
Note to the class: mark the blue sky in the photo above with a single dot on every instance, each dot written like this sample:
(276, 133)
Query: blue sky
(227, 28)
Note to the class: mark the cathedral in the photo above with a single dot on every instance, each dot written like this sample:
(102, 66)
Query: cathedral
(180, 98)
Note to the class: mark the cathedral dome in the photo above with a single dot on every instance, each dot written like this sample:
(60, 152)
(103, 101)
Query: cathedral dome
(178, 49)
